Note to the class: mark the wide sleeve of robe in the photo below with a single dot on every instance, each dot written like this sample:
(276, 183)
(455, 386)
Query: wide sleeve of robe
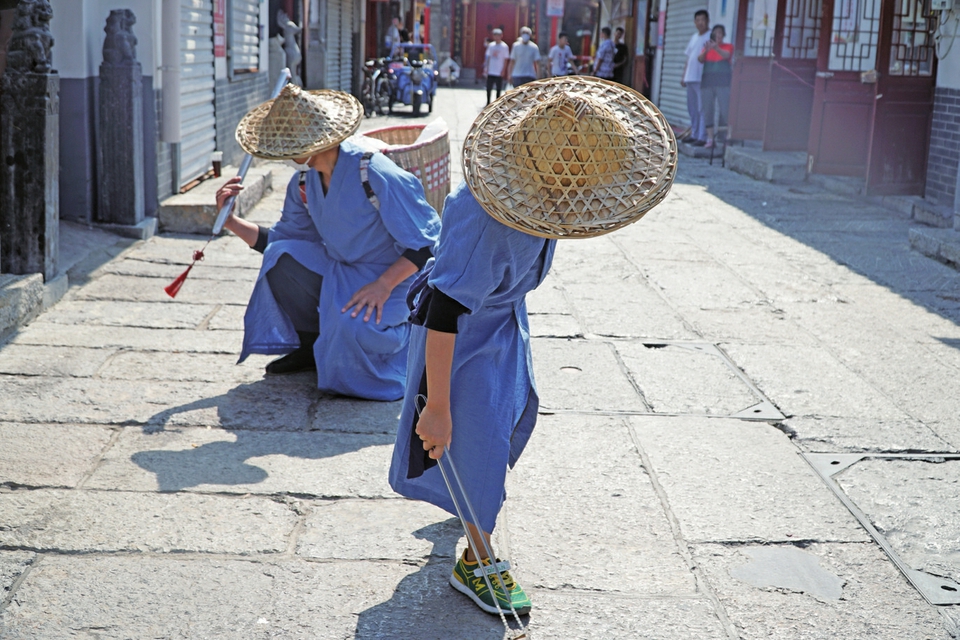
(404, 209)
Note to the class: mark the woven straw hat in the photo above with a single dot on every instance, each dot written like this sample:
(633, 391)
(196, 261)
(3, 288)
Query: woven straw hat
(570, 157)
(299, 123)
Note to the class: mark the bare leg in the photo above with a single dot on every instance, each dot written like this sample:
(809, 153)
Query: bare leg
(475, 534)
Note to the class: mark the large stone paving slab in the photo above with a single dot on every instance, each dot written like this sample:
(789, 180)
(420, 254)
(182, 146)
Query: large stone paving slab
(141, 268)
(915, 504)
(702, 285)
(877, 603)
(588, 615)
(191, 597)
(180, 367)
(727, 480)
(329, 465)
(28, 360)
(146, 289)
(810, 381)
(100, 337)
(351, 415)
(147, 315)
(114, 521)
(48, 455)
(828, 435)
(379, 530)
(173, 249)
(590, 520)
(685, 378)
(282, 404)
(582, 375)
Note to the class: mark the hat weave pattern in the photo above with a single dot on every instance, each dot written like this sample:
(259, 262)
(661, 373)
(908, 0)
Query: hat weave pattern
(570, 157)
(299, 123)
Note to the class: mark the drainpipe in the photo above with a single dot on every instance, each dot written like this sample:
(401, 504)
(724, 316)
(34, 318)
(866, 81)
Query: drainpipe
(657, 79)
(170, 77)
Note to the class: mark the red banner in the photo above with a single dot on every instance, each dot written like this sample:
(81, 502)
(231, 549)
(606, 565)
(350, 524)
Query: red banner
(220, 28)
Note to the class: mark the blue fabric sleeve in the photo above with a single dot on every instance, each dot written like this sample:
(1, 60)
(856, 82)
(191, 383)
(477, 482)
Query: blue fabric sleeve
(472, 258)
(404, 210)
(295, 222)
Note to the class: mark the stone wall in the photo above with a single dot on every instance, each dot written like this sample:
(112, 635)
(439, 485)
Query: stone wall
(944, 148)
(234, 98)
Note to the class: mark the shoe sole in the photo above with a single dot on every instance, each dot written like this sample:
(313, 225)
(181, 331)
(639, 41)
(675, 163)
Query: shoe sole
(465, 590)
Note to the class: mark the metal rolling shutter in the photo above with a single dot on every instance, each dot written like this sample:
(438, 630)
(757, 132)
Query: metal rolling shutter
(245, 35)
(198, 128)
(679, 28)
(334, 46)
(346, 45)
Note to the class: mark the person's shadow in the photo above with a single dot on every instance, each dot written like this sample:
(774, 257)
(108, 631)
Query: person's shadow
(424, 606)
(287, 417)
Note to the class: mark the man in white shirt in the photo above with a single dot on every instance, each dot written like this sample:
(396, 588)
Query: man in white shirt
(495, 62)
(692, 71)
(392, 39)
(524, 59)
(560, 54)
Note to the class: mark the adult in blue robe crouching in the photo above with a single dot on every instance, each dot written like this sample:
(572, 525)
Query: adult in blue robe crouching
(354, 230)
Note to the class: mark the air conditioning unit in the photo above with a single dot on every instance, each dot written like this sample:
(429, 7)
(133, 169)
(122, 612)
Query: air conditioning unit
(941, 5)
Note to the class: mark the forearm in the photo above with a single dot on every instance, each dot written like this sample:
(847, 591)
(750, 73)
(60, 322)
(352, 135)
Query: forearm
(243, 229)
(398, 272)
(439, 364)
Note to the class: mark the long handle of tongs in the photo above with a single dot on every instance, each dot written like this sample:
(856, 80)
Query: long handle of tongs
(447, 460)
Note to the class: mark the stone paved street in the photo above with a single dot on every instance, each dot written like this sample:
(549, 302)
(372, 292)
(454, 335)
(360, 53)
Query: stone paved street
(152, 488)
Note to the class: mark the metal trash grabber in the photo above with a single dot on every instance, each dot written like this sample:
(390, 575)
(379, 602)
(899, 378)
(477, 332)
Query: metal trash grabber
(485, 571)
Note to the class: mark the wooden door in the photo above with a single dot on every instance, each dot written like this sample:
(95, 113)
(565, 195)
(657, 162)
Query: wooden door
(904, 104)
(489, 16)
(792, 72)
(842, 120)
(750, 85)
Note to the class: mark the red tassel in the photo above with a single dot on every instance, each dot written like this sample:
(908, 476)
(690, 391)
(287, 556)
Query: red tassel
(174, 287)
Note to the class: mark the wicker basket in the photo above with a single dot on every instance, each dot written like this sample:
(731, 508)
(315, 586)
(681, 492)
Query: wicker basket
(429, 160)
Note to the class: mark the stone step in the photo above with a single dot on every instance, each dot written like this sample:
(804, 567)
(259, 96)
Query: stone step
(939, 244)
(788, 167)
(196, 210)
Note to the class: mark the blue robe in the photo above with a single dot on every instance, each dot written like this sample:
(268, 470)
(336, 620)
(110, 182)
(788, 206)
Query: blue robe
(488, 268)
(341, 236)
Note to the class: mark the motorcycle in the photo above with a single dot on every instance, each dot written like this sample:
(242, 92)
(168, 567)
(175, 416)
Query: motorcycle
(414, 76)
(376, 90)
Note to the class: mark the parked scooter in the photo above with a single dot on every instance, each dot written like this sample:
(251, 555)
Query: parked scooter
(416, 77)
(376, 90)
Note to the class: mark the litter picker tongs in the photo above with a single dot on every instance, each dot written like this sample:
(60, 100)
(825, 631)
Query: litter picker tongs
(495, 567)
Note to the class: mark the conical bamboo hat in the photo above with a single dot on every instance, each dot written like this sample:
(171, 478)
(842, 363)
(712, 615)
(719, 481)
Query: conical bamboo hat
(299, 123)
(570, 157)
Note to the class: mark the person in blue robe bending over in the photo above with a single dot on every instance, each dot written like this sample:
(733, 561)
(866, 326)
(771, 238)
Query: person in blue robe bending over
(609, 157)
(354, 230)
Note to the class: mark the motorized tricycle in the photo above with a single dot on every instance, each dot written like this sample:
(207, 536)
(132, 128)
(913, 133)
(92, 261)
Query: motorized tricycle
(413, 74)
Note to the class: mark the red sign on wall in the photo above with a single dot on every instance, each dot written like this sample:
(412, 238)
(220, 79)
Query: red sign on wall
(220, 28)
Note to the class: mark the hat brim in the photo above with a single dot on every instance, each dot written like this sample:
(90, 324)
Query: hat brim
(345, 113)
(488, 166)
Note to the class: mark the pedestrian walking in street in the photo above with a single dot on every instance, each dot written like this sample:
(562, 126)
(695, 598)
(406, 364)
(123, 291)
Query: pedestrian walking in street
(524, 59)
(470, 376)
(560, 56)
(353, 231)
(495, 63)
(717, 59)
(603, 65)
(620, 57)
(690, 78)
(392, 39)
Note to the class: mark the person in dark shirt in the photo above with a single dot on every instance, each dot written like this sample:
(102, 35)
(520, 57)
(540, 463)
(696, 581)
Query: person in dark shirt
(620, 57)
(717, 59)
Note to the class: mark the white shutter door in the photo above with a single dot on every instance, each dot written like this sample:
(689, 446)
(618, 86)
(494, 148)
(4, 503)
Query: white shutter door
(332, 79)
(679, 28)
(198, 123)
(346, 45)
(245, 35)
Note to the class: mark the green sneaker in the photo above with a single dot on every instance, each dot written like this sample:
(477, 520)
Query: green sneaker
(468, 580)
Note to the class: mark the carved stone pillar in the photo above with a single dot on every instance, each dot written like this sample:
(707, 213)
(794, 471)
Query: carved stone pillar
(30, 147)
(120, 193)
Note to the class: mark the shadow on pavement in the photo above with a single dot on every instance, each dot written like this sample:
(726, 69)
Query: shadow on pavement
(424, 606)
(273, 416)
